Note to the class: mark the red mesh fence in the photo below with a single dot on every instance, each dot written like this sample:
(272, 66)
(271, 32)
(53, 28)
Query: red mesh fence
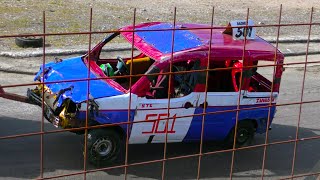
(203, 152)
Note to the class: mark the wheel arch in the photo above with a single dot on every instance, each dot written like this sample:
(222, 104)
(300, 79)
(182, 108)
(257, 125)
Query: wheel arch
(253, 121)
(117, 128)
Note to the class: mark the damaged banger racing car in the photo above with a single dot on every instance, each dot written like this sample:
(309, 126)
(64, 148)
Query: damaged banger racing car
(163, 100)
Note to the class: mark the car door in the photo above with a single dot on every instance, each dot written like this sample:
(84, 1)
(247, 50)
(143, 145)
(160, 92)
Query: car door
(151, 116)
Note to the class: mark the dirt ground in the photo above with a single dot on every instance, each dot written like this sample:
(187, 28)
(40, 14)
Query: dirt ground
(25, 16)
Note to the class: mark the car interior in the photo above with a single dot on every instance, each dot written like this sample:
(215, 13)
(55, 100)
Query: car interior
(223, 76)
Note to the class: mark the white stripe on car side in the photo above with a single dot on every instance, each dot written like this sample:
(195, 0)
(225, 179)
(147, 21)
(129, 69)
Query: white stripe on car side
(154, 112)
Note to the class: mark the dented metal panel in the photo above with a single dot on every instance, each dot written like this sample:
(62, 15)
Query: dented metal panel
(73, 69)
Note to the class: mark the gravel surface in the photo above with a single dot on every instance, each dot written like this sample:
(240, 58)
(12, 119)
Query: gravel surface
(25, 16)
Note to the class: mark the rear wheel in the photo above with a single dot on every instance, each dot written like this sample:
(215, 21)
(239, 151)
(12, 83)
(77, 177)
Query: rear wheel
(104, 146)
(245, 134)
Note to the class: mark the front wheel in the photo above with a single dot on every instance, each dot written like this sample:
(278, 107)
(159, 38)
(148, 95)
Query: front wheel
(104, 146)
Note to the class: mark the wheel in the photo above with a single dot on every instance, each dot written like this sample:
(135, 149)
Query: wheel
(104, 146)
(30, 41)
(245, 134)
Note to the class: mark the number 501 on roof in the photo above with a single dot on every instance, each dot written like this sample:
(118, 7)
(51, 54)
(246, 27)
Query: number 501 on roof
(238, 31)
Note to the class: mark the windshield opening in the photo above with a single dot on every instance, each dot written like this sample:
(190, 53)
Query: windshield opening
(113, 58)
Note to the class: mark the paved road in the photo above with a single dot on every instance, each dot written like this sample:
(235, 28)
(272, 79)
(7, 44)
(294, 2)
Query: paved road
(20, 157)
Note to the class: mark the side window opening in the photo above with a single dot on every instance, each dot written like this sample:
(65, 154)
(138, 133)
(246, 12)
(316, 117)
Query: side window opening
(228, 80)
(220, 80)
(259, 81)
(181, 84)
(237, 78)
(187, 82)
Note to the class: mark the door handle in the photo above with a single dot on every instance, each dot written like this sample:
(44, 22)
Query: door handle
(188, 105)
(204, 104)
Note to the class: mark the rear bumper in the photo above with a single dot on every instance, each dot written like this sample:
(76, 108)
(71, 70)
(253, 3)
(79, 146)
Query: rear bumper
(47, 111)
(262, 125)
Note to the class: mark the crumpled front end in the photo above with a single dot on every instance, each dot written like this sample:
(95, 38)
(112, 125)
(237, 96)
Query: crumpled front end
(65, 116)
(65, 89)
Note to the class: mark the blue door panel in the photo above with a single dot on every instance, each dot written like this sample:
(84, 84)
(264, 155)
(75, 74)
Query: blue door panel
(218, 124)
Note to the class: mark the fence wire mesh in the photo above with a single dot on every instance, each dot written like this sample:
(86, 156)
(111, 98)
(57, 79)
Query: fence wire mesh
(209, 67)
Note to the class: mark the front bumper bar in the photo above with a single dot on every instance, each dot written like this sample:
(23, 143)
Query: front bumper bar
(47, 111)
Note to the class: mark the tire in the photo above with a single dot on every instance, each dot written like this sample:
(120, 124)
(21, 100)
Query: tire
(105, 146)
(30, 41)
(245, 134)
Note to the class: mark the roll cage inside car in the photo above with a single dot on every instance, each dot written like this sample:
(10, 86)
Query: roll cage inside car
(224, 71)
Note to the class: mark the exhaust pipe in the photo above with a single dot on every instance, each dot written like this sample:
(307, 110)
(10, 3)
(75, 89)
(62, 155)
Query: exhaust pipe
(1, 91)
(12, 96)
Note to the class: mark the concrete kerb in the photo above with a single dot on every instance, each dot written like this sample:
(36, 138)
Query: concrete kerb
(49, 51)
(292, 39)
(37, 52)
(16, 71)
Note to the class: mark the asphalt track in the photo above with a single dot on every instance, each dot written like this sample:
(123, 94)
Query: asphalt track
(20, 157)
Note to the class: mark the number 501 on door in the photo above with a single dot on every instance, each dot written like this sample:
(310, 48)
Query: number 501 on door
(160, 123)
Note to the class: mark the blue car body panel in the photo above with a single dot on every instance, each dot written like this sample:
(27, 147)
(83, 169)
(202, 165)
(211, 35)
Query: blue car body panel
(119, 117)
(218, 125)
(74, 69)
(162, 40)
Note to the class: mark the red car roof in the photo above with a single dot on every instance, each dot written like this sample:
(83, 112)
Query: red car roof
(154, 40)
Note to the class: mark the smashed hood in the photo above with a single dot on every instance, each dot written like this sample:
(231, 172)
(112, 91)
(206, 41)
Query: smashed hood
(73, 69)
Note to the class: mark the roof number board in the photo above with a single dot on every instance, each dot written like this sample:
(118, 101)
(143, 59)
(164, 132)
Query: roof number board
(239, 31)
